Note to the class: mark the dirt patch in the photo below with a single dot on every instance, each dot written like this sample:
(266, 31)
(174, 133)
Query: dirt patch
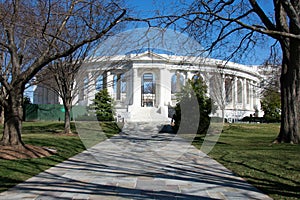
(29, 151)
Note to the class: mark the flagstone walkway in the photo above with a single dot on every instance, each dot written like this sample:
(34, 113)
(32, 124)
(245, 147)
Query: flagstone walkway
(140, 163)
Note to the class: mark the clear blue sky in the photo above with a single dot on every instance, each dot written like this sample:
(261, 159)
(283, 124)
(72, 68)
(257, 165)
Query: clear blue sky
(146, 8)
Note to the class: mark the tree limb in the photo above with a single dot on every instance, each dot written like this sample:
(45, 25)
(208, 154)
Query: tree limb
(291, 12)
(261, 14)
(45, 58)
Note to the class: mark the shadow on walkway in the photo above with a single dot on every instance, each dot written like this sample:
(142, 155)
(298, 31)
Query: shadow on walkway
(137, 166)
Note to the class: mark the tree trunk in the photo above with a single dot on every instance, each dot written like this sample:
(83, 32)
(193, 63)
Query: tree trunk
(223, 115)
(290, 94)
(13, 114)
(2, 115)
(67, 118)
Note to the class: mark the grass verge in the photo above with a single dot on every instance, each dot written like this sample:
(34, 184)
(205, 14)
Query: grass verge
(13, 172)
(247, 150)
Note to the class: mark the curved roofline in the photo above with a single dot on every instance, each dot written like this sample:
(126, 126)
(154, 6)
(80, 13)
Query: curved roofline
(152, 57)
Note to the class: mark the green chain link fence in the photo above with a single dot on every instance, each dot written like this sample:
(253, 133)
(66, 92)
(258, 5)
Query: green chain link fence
(50, 112)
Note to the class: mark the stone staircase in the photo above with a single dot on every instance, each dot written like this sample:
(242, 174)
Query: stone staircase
(125, 113)
(147, 114)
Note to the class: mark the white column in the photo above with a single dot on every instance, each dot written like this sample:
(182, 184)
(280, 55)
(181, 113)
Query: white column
(185, 77)
(251, 94)
(255, 88)
(130, 91)
(259, 89)
(178, 81)
(235, 92)
(91, 89)
(165, 87)
(128, 87)
(223, 95)
(247, 94)
(136, 90)
(164, 91)
(110, 83)
(189, 75)
(244, 93)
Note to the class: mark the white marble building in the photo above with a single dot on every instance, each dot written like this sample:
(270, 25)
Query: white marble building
(144, 85)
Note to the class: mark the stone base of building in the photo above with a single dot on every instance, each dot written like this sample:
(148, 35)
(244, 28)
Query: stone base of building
(143, 114)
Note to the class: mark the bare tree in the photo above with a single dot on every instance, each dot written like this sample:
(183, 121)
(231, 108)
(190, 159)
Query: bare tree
(237, 25)
(218, 90)
(34, 34)
(60, 77)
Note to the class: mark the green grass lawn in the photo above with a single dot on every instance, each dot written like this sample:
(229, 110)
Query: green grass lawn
(13, 172)
(247, 150)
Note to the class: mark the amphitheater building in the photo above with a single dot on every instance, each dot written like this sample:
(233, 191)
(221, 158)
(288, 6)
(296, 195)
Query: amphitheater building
(145, 85)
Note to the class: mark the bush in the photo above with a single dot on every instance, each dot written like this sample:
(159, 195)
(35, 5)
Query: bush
(256, 120)
(103, 106)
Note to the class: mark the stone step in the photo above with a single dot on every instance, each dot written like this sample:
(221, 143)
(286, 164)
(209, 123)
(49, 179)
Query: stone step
(147, 114)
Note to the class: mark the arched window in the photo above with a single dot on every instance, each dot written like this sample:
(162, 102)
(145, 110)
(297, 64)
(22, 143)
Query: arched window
(148, 90)
(177, 81)
(99, 83)
(239, 91)
(228, 90)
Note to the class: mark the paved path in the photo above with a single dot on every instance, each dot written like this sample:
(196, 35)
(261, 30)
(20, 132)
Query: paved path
(140, 163)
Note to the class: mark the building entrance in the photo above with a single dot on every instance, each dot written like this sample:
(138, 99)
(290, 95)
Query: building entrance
(148, 90)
